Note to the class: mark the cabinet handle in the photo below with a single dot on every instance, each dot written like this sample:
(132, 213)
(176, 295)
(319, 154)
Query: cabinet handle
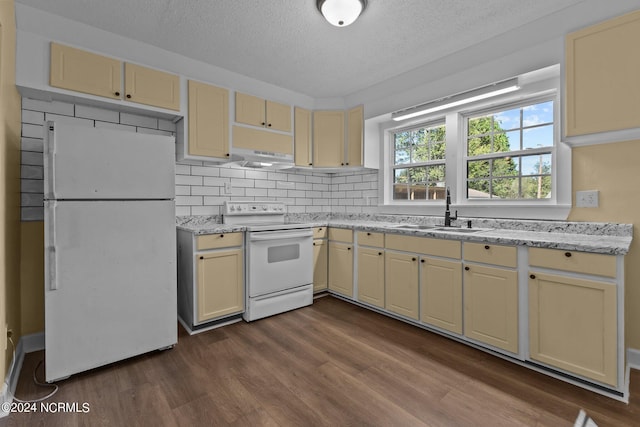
(567, 254)
(487, 247)
(413, 259)
(342, 164)
(310, 164)
(201, 257)
(314, 243)
(129, 95)
(347, 163)
(227, 154)
(532, 276)
(422, 260)
(368, 234)
(269, 125)
(117, 94)
(320, 229)
(348, 249)
(379, 253)
(467, 268)
(263, 123)
(221, 236)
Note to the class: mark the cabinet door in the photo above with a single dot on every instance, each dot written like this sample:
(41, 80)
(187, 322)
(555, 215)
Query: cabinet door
(302, 137)
(572, 325)
(208, 120)
(355, 136)
(328, 138)
(278, 116)
(341, 268)
(401, 284)
(602, 67)
(371, 276)
(320, 264)
(220, 284)
(86, 72)
(441, 293)
(491, 306)
(152, 87)
(250, 110)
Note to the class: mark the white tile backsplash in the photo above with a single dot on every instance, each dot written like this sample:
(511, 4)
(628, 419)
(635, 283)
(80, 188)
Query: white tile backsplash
(200, 187)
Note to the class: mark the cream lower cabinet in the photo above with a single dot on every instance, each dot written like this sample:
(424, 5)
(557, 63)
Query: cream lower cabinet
(371, 262)
(210, 278)
(401, 283)
(441, 293)
(341, 261)
(320, 259)
(573, 320)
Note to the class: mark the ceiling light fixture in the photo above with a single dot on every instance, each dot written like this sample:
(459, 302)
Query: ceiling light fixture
(467, 97)
(341, 12)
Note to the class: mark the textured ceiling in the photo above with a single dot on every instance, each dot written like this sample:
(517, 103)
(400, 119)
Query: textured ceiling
(289, 44)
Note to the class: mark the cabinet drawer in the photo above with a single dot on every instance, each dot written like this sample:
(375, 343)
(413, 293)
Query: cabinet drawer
(579, 262)
(319, 232)
(368, 238)
(341, 235)
(486, 253)
(215, 241)
(424, 245)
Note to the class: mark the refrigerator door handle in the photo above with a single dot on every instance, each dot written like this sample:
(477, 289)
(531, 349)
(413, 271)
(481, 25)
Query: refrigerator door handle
(49, 165)
(53, 259)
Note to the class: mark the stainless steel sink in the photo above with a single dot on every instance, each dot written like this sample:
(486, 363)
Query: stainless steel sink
(458, 230)
(415, 226)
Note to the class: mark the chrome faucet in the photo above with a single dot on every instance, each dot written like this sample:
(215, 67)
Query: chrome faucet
(447, 213)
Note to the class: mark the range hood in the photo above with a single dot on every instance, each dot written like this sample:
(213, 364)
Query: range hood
(258, 159)
(256, 148)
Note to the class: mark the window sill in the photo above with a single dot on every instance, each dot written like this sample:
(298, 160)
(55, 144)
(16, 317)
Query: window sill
(484, 210)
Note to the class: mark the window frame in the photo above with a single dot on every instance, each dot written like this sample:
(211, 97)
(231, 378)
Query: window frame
(539, 85)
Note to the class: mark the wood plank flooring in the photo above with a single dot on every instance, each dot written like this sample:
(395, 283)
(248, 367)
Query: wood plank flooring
(331, 364)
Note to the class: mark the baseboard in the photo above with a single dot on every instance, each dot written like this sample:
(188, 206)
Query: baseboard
(633, 358)
(27, 344)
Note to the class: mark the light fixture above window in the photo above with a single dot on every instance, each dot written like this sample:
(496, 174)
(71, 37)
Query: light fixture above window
(341, 12)
(467, 97)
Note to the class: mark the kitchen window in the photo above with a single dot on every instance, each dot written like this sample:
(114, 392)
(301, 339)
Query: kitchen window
(501, 157)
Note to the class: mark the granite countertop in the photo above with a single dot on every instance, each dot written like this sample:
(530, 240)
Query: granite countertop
(604, 238)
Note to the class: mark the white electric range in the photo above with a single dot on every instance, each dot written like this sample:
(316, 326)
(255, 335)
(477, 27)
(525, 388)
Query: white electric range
(278, 258)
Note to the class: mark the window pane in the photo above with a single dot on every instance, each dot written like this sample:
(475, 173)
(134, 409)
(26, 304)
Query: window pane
(507, 119)
(478, 189)
(478, 169)
(536, 165)
(503, 142)
(436, 173)
(437, 134)
(505, 167)
(538, 137)
(436, 191)
(401, 176)
(402, 157)
(537, 114)
(479, 145)
(420, 152)
(437, 151)
(418, 191)
(400, 192)
(505, 188)
(418, 174)
(479, 125)
(536, 187)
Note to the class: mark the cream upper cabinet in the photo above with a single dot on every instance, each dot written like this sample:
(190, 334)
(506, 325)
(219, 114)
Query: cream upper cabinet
(491, 306)
(602, 66)
(355, 136)
(86, 72)
(208, 118)
(320, 264)
(220, 284)
(152, 87)
(302, 137)
(572, 325)
(341, 268)
(441, 293)
(328, 138)
(255, 111)
(401, 284)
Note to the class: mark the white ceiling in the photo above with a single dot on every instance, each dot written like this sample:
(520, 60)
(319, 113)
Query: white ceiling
(289, 44)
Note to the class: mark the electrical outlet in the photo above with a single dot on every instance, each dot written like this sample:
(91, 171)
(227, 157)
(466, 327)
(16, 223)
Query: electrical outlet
(587, 199)
(227, 188)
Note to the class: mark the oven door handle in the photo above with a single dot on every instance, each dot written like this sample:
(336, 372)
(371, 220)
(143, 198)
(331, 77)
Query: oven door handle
(279, 235)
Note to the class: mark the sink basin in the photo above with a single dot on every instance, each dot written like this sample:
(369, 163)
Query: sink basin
(415, 226)
(458, 230)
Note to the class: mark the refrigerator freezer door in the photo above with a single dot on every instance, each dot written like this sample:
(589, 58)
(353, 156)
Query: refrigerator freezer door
(88, 163)
(114, 295)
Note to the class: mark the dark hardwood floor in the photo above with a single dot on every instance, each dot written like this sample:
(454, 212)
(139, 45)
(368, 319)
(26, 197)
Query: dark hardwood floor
(331, 364)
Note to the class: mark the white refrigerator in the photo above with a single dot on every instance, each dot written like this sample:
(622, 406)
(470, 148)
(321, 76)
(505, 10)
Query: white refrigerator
(110, 246)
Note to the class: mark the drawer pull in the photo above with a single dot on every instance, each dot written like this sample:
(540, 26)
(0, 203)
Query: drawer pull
(487, 247)
(368, 234)
(467, 268)
(422, 260)
(532, 276)
(117, 93)
(221, 236)
(348, 249)
(567, 254)
(314, 243)
(413, 259)
(379, 253)
(201, 257)
(320, 229)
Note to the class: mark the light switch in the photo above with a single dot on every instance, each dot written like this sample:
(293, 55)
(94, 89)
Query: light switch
(587, 199)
